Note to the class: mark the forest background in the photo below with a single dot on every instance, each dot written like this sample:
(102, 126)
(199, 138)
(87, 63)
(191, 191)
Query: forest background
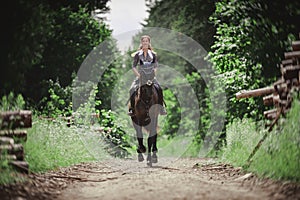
(44, 44)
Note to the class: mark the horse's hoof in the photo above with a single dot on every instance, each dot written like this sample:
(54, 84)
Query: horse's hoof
(149, 164)
(140, 157)
(141, 149)
(154, 158)
(149, 160)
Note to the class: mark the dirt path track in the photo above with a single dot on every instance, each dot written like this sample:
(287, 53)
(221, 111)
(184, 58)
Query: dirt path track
(169, 179)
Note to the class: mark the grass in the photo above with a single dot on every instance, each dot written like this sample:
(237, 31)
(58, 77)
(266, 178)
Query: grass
(53, 144)
(279, 155)
(8, 174)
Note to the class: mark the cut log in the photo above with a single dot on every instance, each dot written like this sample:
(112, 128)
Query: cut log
(21, 166)
(255, 93)
(16, 134)
(281, 87)
(295, 81)
(6, 141)
(296, 45)
(287, 62)
(271, 100)
(16, 119)
(292, 54)
(8, 157)
(276, 100)
(16, 149)
(268, 100)
(285, 104)
(290, 71)
(270, 114)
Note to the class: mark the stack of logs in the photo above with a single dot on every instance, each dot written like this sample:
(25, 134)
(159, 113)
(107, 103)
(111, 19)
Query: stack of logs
(12, 133)
(281, 93)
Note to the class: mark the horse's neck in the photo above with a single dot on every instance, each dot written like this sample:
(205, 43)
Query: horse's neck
(144, 96)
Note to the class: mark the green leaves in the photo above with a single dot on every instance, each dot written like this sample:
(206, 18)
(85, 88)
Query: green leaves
(248, 46)
(49, 40)
(12, 102)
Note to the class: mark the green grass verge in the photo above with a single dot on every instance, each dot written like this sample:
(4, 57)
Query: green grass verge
(279, 155)
(51, 145)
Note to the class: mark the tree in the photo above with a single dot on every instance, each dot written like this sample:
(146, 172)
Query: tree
(250, 41)
(47, 40)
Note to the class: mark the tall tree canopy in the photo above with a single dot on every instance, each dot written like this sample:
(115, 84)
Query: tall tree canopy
(190, 18)
(250, 41)
(45, 40)
(246, 40)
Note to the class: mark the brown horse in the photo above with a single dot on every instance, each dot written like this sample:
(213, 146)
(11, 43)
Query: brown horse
(146, 114)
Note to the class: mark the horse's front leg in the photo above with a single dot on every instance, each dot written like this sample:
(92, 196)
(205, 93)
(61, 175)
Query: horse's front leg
(141, 148)
(149, 159)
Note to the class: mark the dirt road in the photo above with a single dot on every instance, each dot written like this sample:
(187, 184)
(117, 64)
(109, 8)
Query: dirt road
(169, 179)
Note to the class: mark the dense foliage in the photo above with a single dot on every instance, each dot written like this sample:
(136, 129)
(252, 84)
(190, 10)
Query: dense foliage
(45, 42)
(250, 42)
(245, 40)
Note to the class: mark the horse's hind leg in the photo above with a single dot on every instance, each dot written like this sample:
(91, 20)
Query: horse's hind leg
(152, 139)
(149, 159)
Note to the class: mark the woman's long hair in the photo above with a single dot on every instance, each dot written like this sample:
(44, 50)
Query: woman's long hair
(148, 37)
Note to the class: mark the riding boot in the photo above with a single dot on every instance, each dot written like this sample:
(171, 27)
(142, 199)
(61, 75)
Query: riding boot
(132, 102)
(161, 101)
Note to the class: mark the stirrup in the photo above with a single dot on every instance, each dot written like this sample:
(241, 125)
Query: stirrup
(130, 113)
(163, 111)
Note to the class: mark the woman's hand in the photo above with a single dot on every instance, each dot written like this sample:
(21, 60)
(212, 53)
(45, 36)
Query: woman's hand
(155, 69)
(136, 72)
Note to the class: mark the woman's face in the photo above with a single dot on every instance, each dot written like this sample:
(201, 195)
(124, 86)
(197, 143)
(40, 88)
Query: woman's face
(145, 43)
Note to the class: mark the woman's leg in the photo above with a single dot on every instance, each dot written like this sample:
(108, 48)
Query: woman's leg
(132, 93)
(160, 97)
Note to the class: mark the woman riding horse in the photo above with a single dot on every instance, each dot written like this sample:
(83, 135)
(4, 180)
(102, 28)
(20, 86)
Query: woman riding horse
(145, 96)
(144, 57)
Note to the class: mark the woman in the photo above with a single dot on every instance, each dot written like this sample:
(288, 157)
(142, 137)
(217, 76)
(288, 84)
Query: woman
(144, 56)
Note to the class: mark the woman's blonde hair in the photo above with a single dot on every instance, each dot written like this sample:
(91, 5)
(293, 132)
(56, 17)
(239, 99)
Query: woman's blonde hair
(148, 37)
(141, 46)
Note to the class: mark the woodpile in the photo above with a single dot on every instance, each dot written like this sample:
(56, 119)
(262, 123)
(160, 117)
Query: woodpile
(280, 94)
(12, 125)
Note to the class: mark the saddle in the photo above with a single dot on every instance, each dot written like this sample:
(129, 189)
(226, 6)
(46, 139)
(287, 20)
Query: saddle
(159, 92)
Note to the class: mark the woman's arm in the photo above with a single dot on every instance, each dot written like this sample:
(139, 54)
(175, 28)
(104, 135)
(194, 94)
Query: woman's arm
(155, 63)
(136, 72)
(134, 64)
